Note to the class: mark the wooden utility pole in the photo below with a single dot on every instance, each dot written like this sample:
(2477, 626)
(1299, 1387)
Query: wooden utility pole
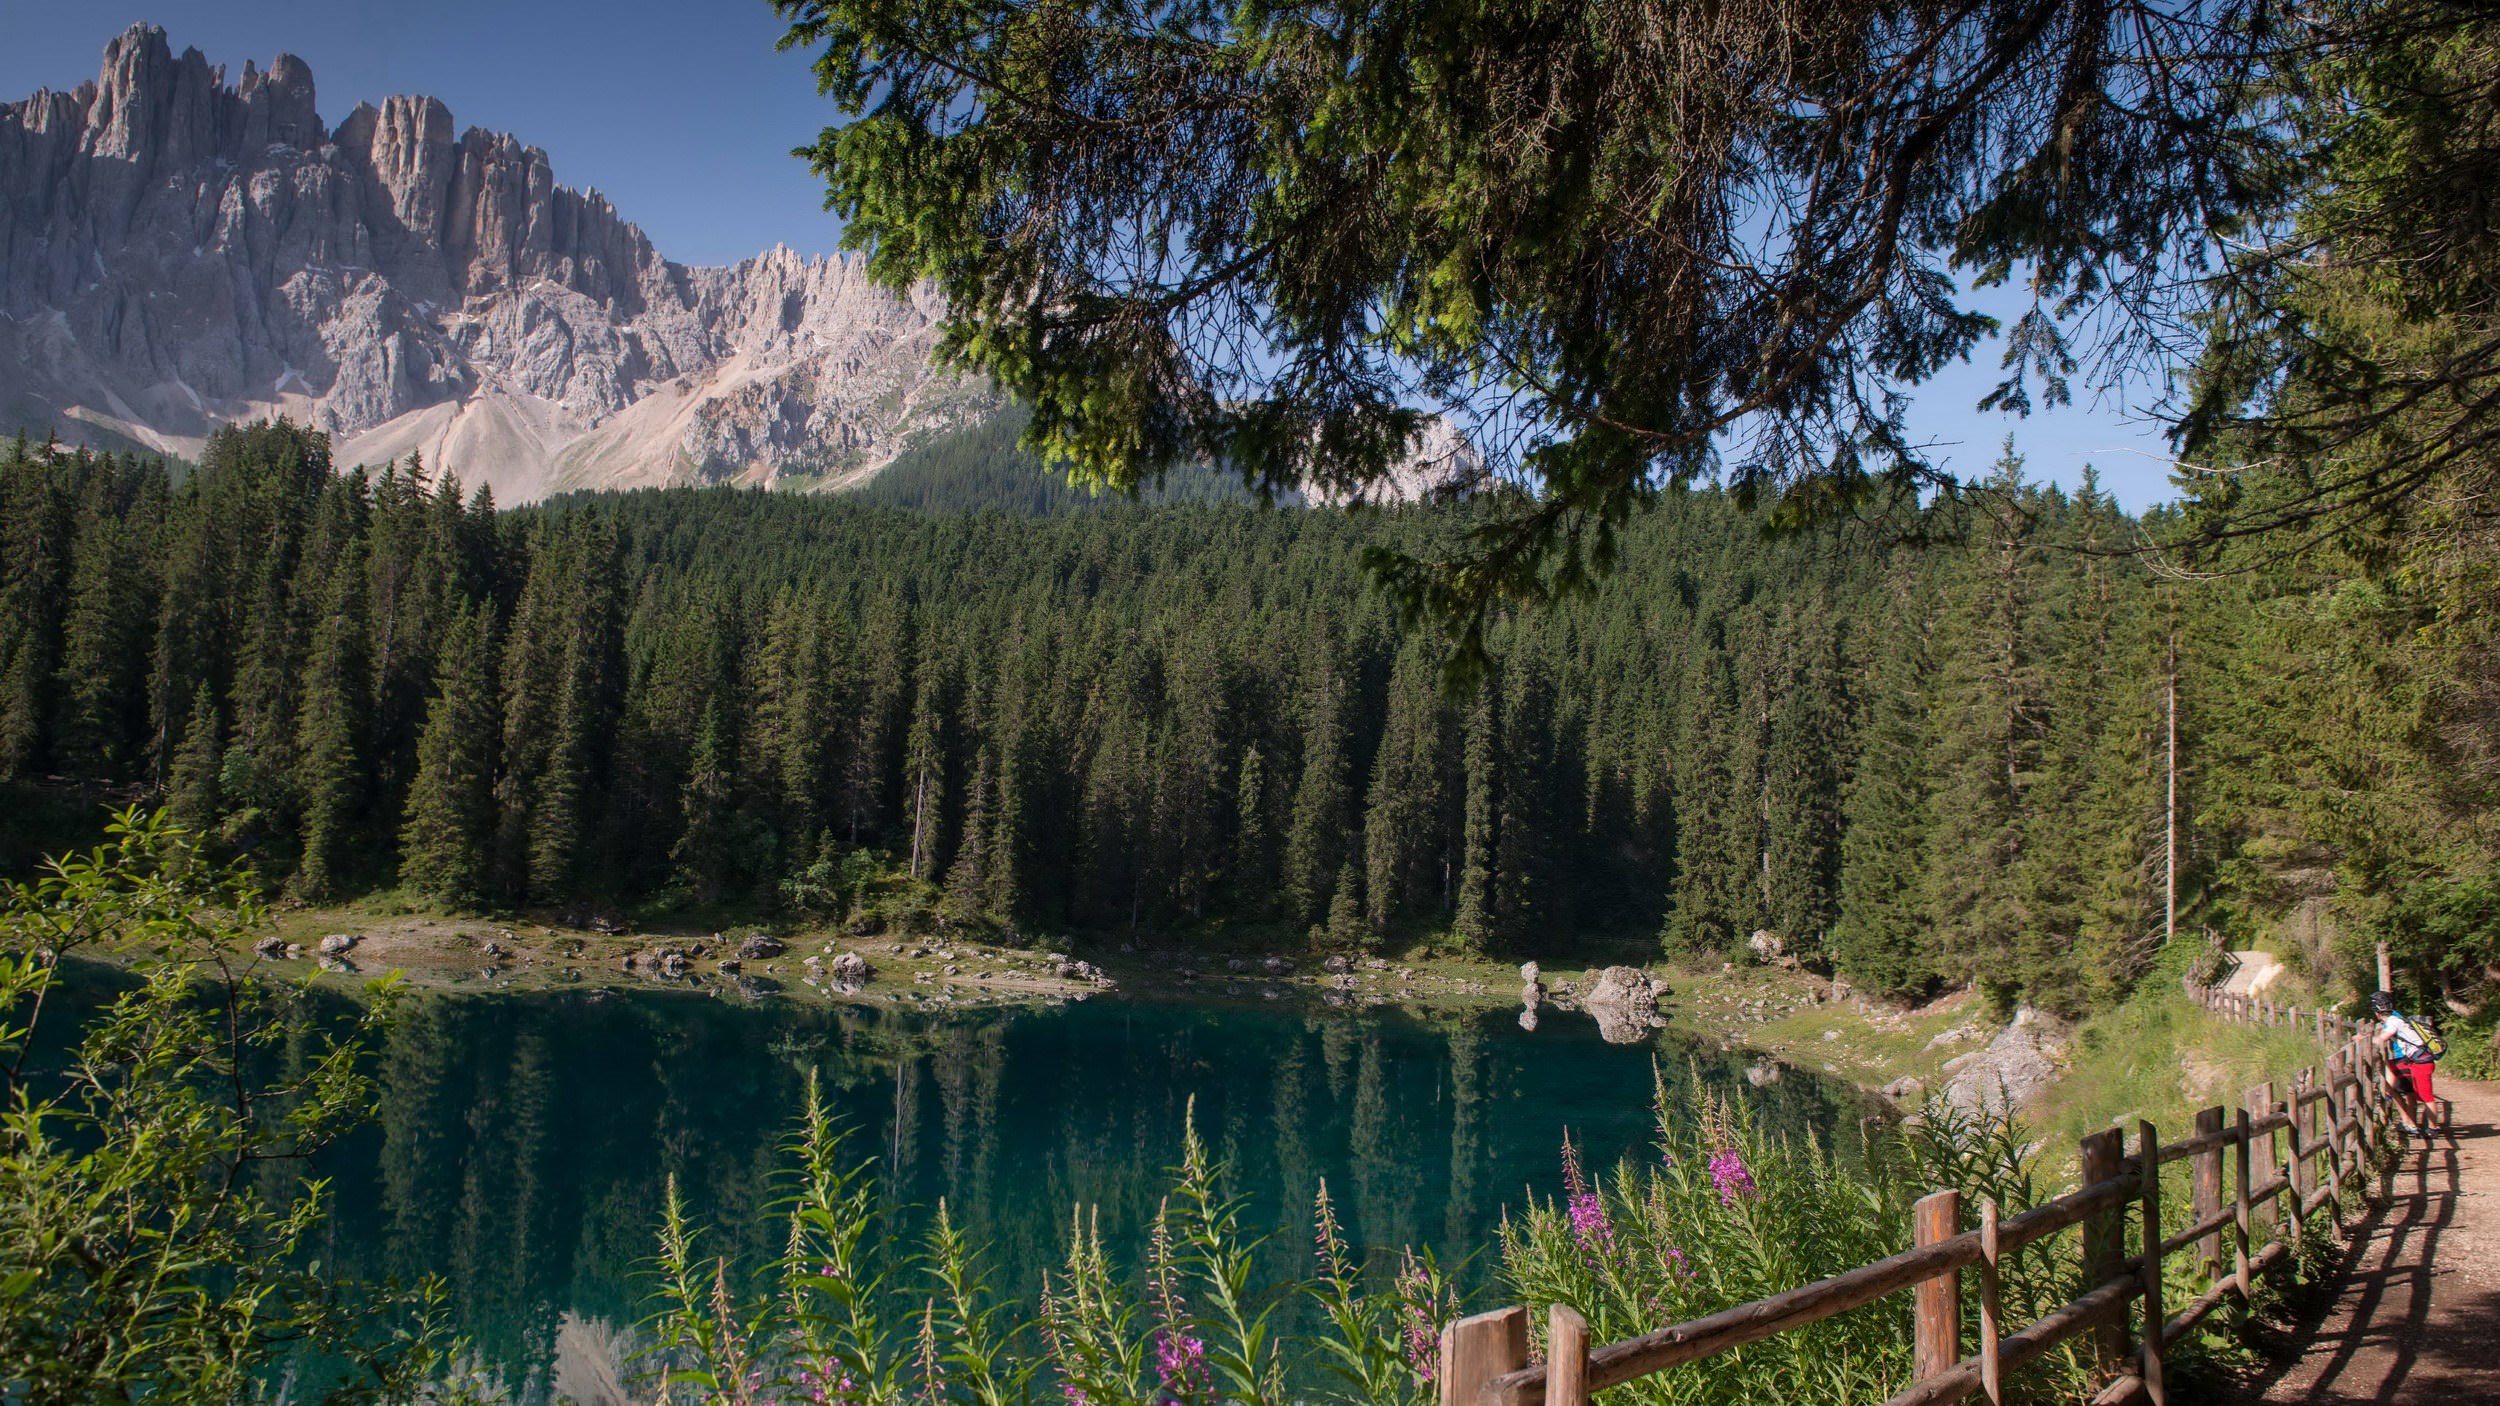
(2170, 801)
(2385, 982)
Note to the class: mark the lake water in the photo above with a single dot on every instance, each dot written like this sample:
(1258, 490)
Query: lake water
(525, 1140)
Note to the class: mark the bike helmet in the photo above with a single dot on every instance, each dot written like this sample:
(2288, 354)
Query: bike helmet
(2382, 1004)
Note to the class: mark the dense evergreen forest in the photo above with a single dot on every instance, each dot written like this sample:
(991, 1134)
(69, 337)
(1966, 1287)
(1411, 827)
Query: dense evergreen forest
(1923, 764)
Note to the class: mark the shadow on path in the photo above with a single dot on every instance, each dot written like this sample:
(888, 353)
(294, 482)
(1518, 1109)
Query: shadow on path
(2415, 1312)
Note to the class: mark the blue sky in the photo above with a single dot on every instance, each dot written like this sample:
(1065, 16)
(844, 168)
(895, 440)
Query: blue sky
(684, 115)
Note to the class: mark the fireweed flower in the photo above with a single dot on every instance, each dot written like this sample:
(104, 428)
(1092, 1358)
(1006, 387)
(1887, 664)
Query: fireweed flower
(1581, 1203)
(1419, 1336)
(1180, 1363)
(1588, 1221)
(1730, 1177)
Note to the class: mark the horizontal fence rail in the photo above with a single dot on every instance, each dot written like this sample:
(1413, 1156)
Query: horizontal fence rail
(2257, 1171)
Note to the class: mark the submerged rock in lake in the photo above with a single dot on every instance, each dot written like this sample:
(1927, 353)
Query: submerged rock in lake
(1625, 1002)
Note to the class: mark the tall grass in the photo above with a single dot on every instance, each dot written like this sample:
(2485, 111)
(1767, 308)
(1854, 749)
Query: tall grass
(1718, 1213)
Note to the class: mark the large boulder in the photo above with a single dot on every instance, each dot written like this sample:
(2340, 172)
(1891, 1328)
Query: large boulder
(2019, 1065)
(851, 971)
(1625, 1003)
(761, 948)
(338, 944)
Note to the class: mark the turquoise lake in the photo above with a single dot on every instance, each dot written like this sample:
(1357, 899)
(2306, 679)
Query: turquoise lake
(525, 1140)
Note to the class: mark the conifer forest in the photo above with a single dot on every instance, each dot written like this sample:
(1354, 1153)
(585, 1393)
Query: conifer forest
(1927, 753)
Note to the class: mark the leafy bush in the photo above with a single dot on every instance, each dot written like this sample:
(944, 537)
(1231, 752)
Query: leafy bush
(155, 1223)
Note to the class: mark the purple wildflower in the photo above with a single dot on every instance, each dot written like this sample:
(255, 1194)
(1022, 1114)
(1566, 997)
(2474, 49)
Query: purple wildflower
(1415, 1294)
(1588, 1220)
(1581, 1203)
(1729, 1175)
(1181, 1364)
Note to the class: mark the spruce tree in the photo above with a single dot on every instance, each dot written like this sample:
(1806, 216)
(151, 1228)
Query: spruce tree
(332, 780)
(1805, 766)
(102, 658)
(924, 764)
(34, 543)
(1715, 816)
(1254, 857)
(193, 793)
(1315, 843)
(445, 842)
(1407, 816)
(1984, 741)
(1346, 928)
(1472, 923)
(705, 852)
(968, 878)
(1880, 934)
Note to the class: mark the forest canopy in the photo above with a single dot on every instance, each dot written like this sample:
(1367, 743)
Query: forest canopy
(1923, 766)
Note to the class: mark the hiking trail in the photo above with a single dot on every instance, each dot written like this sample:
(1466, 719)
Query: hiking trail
(2414, 1314)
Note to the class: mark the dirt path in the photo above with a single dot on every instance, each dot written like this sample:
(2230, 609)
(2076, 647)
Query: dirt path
(2415, 1316)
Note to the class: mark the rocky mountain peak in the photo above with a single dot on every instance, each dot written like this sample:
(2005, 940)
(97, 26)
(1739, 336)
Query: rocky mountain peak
(177, 251)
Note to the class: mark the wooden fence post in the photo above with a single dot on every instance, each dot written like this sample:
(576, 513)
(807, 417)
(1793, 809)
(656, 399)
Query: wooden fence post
(2303, 1168)
(2148, 1149)
(1476, 1350)
(2370, 1086)
(2334, 1115)
(1566, 1357)
(1938, 1301)
(2260, 1104)
(1991, 1309)
(2100, 1158)
(2208, 1192)
(2244, 1209)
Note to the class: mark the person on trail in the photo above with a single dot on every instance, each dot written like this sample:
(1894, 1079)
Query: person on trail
(2408, 1063)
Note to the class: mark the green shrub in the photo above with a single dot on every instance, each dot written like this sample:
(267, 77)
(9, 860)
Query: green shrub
(155, 1221)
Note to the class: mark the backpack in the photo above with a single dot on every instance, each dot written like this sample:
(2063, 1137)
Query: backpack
(2434, 1045)
(2425, 1035)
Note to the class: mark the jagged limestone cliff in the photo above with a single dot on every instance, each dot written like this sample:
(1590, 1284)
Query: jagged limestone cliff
(177, 251)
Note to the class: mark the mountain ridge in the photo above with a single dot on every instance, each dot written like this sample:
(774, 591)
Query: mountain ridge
(178, 252)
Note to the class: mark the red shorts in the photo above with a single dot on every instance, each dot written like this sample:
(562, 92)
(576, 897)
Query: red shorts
(2413, 1079)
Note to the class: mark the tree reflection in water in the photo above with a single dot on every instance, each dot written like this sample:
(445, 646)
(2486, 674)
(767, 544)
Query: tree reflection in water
(525, 1139)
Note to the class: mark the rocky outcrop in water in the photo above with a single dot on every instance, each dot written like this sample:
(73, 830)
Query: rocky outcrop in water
(179, 251)
(1625, 1003)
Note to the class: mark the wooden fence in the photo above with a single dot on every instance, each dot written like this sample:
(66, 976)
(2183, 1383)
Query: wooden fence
(2286, 1157)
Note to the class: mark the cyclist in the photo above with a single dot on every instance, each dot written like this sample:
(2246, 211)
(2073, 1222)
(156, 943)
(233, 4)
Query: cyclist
(2408, 1063)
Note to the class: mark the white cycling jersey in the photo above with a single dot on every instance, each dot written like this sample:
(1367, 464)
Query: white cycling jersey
(2404, 1042)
